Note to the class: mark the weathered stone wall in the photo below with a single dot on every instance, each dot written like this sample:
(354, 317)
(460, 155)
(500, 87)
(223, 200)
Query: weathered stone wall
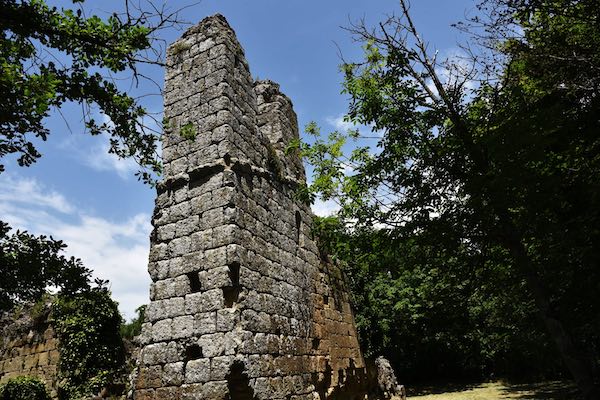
(243, 305)
(29, 347)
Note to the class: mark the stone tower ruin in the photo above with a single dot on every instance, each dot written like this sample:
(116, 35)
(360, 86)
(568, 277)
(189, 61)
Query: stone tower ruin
(243, 304)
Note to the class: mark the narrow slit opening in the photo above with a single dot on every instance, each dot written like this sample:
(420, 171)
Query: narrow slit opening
(316, 342)
(195, 285)
(234, 274)
(298, 225)
(230, 295)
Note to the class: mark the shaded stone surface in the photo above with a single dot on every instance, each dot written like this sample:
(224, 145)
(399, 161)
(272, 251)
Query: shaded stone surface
(243, 305)
(29, 346)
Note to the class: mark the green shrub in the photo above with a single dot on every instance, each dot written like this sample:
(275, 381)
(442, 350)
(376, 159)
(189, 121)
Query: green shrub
(91, 349)
(24, 388)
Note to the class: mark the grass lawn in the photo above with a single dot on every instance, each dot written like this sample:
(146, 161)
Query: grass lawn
(498, 391)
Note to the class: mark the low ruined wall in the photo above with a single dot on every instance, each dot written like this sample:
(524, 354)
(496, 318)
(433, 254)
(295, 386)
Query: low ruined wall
(28, 347)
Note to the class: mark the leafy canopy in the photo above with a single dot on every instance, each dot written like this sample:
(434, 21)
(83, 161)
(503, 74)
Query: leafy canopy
(30, 264)
(131, 329)
(51, 56)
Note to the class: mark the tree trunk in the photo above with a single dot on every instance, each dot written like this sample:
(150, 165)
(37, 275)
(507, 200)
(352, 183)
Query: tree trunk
(574, 361)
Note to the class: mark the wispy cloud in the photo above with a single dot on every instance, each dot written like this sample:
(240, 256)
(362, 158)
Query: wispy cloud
(99, 158)
(28, 192)
(340, 124)
(325, 208)
(94, 152)
(114, 250)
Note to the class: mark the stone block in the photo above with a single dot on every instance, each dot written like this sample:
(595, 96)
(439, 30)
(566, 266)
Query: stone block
(150, 377)
(202, 302)
(205, 323)
(179, 246)
(183, 327)
(160, 353)
(197, 371)
(173, 374)
(227, 319)
(145, 394)
(192, 392)
(213, 345)
(171, 393)
(220, 367)
(162, 330)
(215, 278)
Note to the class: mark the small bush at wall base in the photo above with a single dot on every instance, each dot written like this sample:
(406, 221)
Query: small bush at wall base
(24, 388)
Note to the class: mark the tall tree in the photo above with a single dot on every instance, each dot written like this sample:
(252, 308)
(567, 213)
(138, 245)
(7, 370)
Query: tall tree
(49, 56)
(496, 156)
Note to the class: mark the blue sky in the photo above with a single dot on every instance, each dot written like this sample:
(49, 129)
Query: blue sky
(78, 193)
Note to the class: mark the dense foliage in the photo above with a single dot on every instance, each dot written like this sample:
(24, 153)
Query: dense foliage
(91, 349)
(485, 177)
(133, 328)
(51, 56)
(30, 264)
(24, 388)
(434, 311)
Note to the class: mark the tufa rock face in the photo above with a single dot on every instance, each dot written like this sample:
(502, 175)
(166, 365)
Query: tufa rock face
(243, 305)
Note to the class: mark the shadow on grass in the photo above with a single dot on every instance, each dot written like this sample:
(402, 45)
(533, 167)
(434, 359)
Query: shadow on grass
(555, 390)
(499, 390)
(439, 388)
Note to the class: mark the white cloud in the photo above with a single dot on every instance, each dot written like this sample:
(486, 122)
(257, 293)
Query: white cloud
(100, 159)
(117, 251)
(325, 208)
(87, 151)
(339, 123)
(28, 192)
